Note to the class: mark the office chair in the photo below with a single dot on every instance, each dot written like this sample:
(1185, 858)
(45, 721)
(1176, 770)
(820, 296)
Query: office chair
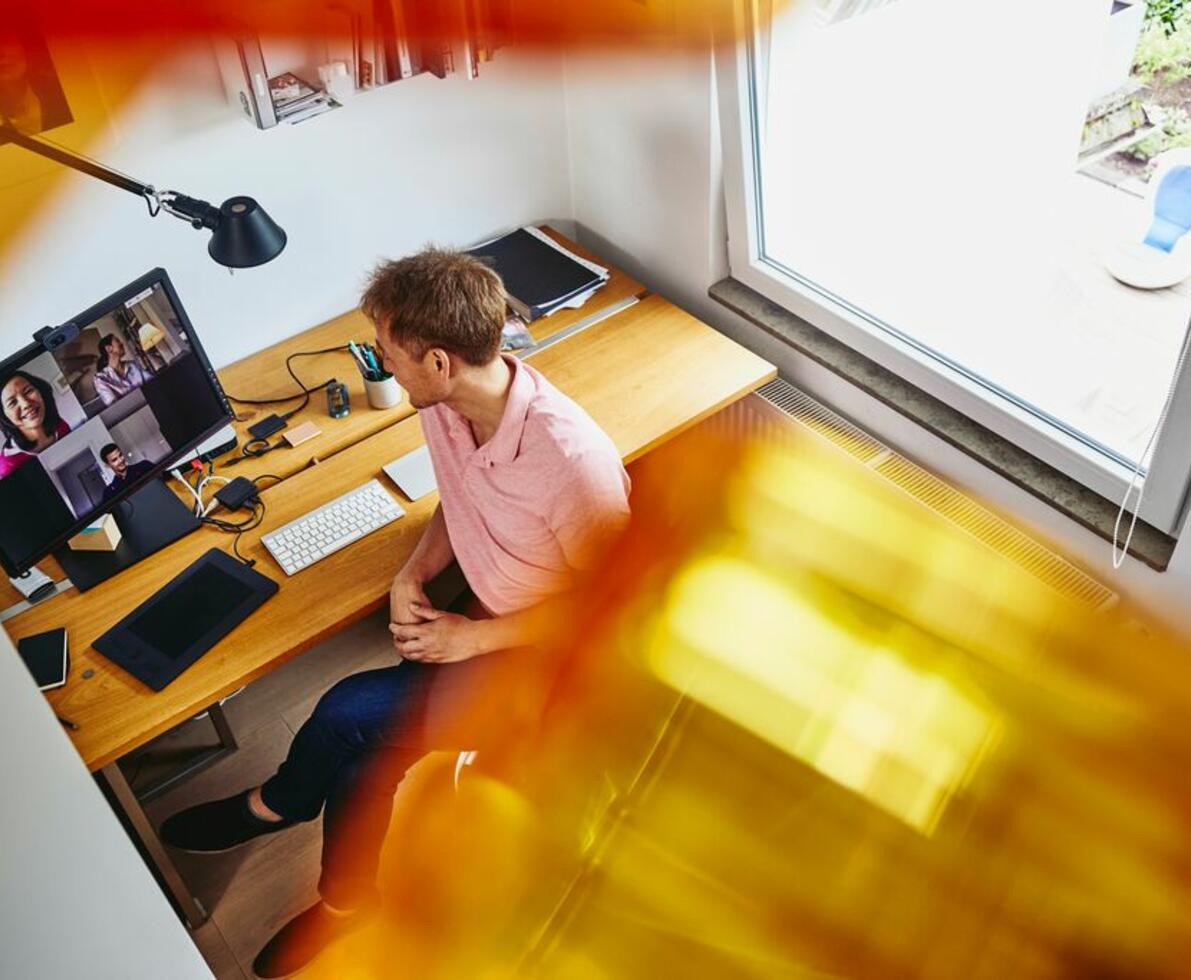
(1158, 255)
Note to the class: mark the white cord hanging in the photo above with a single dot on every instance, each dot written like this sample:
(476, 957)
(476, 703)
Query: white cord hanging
(1120, 551)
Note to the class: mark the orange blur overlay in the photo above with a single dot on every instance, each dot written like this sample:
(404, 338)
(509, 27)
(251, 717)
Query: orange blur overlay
(104, 52)
(805, 728)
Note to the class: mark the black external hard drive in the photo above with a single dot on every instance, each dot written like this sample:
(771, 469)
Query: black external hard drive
(267, 426)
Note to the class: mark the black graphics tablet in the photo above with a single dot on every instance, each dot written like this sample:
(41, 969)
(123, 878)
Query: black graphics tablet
(171, 629)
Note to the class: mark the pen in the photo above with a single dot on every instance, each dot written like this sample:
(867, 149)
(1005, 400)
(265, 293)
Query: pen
(381, 372)
(360, 356)
(356, 355)
(68, 723)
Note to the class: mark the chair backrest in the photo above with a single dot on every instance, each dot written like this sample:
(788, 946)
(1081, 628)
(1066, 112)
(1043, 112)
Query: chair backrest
(1172, 209)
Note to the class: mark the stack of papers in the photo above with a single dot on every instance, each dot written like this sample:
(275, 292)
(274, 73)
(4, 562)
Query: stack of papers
(540, 276)
(294, 100)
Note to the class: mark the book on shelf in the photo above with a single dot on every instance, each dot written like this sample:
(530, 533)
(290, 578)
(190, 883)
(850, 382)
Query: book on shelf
(324, 102)
(290, 94)
(540, 276)
(242, 66)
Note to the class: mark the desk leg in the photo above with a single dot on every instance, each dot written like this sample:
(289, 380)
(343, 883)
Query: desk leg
(192, 910)
(227, 738)
(226, 746)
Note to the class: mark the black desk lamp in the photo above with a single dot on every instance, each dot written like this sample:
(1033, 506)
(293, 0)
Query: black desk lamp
(242, 234)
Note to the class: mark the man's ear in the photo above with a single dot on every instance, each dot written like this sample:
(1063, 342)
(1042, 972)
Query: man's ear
(440, 360)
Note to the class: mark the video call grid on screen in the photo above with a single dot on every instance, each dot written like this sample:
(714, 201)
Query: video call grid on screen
(87, 421)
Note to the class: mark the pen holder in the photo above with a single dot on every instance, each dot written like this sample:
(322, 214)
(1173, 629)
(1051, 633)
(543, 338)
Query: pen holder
(383, 394)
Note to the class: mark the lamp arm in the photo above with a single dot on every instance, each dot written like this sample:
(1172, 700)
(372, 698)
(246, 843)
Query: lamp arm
(13, 135)
(243, 235)
(198, 213)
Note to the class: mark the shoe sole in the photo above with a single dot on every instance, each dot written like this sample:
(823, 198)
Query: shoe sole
(223, 850)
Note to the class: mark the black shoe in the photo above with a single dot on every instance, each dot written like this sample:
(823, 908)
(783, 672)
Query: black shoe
(301, 939)
(218, 825)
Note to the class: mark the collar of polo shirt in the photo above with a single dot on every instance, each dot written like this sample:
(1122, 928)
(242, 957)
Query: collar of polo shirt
(506, 441)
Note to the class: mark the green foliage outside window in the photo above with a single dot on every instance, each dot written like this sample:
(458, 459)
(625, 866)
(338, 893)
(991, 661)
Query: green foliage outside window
(1164, 53)
(1168, 13)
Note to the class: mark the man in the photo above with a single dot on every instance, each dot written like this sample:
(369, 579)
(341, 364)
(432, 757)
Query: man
(530, 488)
(124, 474)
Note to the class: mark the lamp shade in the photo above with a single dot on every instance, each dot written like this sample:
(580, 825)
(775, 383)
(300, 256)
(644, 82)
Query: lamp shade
(245, 236)
(150, 335)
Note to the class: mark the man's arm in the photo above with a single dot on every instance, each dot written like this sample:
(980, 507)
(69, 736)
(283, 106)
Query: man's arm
(432, 554)
(585, 516)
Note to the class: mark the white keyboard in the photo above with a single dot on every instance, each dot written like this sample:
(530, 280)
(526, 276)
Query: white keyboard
(299, 544)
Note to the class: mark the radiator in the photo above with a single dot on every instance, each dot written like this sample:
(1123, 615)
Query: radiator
(778, 411)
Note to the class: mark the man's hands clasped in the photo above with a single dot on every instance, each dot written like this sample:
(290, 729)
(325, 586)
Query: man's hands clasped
(423, 633)
(406, 593)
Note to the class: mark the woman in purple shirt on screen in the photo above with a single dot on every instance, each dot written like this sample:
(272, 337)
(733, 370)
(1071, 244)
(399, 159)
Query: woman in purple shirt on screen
(115, 377)
(29, 419)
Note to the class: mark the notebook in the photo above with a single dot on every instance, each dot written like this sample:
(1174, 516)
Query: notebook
(539, 275)
(46, 656)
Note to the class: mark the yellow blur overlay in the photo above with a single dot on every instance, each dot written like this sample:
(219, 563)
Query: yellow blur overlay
(95, 79)
(805, 728)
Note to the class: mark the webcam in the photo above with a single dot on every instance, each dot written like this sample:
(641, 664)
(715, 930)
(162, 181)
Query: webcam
(52, 338)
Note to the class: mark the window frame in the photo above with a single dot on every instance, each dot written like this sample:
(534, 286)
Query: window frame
(1168, 478)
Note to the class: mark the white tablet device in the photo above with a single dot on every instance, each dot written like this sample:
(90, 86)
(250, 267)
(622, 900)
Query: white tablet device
(413, 473)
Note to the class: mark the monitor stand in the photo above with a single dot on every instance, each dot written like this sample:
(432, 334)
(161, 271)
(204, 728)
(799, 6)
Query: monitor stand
(148, 520)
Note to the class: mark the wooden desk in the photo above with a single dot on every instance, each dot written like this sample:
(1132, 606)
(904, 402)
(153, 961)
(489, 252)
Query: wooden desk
(263, 375)
(640, 402)
(691, 372)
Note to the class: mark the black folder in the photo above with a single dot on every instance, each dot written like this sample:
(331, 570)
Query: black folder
(537, 277)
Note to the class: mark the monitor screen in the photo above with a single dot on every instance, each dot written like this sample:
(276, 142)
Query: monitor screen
(87, 422)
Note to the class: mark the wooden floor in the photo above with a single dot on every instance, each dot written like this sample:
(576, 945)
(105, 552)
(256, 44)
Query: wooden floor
(252, 890)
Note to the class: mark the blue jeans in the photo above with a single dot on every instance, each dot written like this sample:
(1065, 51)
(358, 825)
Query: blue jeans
(349, 757)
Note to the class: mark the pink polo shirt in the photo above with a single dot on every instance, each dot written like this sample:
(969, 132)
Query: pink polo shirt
(527, 509)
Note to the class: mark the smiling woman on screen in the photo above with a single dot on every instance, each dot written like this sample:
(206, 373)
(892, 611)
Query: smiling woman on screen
(29, 419)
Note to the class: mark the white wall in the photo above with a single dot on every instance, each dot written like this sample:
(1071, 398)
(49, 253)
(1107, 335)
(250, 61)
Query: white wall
(646, 185)
(645, 170)
(75, 898)
(423, 159)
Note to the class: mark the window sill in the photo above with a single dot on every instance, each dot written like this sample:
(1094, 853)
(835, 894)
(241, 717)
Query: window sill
(1075, 501)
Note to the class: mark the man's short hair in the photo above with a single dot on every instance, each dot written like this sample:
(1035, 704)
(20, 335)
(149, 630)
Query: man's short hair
(438, 298)
(107, 450)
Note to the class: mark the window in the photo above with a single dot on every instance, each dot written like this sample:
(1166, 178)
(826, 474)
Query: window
(957, 188)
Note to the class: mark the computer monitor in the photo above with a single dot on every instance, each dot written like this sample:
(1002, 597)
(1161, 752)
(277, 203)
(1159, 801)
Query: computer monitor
(91, 413)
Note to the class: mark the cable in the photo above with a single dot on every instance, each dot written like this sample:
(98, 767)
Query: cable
(200, 509)
(255, 449)
(1118, 554)
(238, 529)
(304, 393)
(177, 475)
(212, 502)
